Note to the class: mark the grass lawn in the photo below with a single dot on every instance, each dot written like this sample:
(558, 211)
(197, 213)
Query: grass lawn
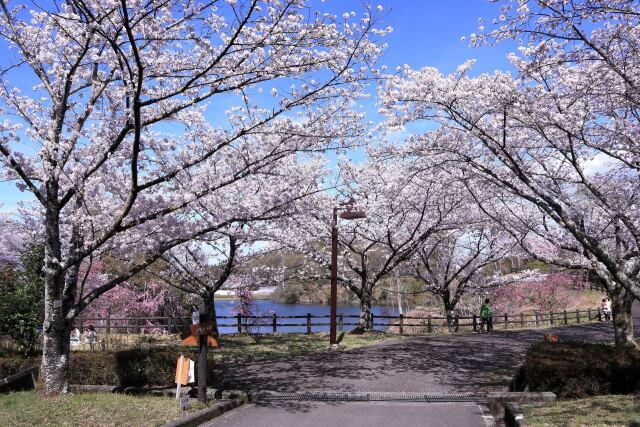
(272, 346)
(87, 409)
(609, 410)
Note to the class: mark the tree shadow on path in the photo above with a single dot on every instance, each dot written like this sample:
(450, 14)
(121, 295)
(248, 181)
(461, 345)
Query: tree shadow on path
(465, 363)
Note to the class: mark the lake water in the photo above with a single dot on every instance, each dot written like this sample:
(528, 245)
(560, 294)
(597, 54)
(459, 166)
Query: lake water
(268, 307)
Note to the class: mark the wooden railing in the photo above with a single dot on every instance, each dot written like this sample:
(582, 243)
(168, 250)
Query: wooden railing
(306, 323)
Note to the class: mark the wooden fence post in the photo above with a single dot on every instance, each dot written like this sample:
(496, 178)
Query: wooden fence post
(577, 316)
(81, 325)
(566, 318)
(274, 323)
(401, 324)
(108, 324)
(506, 321)
(429, 326)
(340, 323)
(308, 323)
(138, 330)
(373, 321)
(522, 320)
(589, 314)
(537, 319)
(239, 320)
(456, 324)
(475, 323)
(551, 318)
(599, 314)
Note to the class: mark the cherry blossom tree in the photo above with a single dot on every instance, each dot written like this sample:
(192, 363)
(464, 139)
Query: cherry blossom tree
(204, 265)
(452, 263)
(554, 147)
(405, 204)
(115, 99)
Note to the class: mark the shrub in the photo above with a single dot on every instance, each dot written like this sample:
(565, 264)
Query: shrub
(21, 298)
(576, 370)
(127, 368)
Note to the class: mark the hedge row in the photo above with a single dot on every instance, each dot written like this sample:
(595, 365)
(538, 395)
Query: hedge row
(135, 367)
(576, 370)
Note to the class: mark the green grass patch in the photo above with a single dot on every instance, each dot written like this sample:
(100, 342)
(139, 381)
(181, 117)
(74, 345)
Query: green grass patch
(611, 410)
(87, 409)
(245, 348)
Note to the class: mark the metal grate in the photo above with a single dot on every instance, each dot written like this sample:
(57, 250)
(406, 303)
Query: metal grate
(367, 397)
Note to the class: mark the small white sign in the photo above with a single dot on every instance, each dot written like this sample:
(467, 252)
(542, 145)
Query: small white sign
(184, 402)
(57, 303)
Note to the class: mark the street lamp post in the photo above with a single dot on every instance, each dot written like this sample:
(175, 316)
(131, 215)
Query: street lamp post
(349, 212)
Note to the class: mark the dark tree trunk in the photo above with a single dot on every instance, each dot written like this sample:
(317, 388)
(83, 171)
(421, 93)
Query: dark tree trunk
(366, 318)
(449, 306)
(621, 302)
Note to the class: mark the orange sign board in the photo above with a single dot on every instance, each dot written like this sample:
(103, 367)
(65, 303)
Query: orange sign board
(195, 340)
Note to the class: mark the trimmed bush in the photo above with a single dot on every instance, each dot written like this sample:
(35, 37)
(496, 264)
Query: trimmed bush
(127, 368)
(12, 364)
(576, 370)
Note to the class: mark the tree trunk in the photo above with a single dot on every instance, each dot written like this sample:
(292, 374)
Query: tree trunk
(56, 337)
(366, 319)
(449, 306)
(56, 331)
(55, 361)
(621, 302)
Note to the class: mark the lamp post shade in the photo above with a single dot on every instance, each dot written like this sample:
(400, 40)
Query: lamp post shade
(352, 214)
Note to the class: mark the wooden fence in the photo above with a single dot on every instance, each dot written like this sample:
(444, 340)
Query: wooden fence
(305, 323)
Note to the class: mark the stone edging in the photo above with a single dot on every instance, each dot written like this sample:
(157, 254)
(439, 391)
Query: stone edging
(235, 400)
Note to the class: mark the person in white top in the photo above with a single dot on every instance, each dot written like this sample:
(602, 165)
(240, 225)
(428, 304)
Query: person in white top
(607, 310)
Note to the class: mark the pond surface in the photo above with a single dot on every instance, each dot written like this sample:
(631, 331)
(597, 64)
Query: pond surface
(268, 307)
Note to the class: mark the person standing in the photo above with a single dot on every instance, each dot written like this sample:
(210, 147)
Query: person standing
(607, 310)
(485, 316)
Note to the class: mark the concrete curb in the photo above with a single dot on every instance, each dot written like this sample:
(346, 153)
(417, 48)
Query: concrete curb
(217, 409)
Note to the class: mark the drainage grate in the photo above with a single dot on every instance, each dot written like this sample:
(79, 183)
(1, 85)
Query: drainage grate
(367, 397)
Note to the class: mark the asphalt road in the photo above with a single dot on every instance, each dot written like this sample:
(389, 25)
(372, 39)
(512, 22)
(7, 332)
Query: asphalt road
(445, 364)
(379, 414)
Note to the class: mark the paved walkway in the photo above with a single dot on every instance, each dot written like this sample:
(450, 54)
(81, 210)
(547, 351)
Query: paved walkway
(448, 364)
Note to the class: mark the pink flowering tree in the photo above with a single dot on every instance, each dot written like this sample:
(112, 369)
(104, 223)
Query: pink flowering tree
(126, 299)
(245, 304)
(115, 102)
(542, 292)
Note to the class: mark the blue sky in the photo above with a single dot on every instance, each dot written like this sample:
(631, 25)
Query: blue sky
(426, 33)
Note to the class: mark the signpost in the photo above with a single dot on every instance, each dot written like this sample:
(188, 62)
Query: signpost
(202, 335)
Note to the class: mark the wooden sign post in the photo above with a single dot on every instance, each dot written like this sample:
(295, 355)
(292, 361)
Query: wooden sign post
(202, 335)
